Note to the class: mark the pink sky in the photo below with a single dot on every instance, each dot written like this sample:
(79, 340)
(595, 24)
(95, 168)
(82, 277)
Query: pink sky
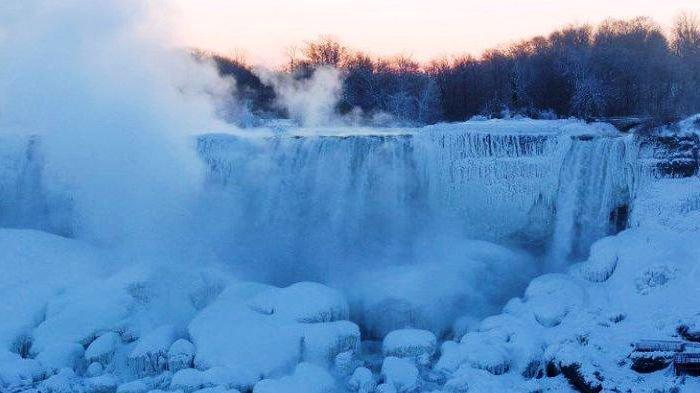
(263, 29)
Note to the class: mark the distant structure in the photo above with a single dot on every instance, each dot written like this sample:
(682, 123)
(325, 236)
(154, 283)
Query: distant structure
(654, 355)
(687, 363)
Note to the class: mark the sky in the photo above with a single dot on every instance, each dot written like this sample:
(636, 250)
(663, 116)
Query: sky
(264, 30)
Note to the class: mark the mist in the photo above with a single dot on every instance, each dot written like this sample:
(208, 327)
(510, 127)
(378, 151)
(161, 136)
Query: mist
(115, 108)
(118, 110)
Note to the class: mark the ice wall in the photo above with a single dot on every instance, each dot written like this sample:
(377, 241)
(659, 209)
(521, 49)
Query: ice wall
(324, 195)
(550, 186)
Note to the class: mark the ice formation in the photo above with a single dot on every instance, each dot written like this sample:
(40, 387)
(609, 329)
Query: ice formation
(413, 240)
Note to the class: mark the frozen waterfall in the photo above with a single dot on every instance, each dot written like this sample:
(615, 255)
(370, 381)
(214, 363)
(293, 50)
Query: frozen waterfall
(549, 186)
(326, 195)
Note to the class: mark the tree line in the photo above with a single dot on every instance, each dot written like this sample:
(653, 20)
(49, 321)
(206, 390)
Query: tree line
(620, 68)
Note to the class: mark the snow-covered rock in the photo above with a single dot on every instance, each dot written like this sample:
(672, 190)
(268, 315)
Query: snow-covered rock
(272, 329)
(149, 357)
(386, 388)
(305, 302)
(190, 379)
(105, 383)
(102, 349)
(306, 378)
(401, 373)
(65, 381)
(94, 369)
(35, 266)
(601, 263)
(322, 342)
(137, 386)
(58, 356)
(410, 343)
(17, 371)
(83, 313)
(477, 349)
(362, 381)
(230, 329)
(346, 362)
(180, 355)
(551, 297)
(217, 389)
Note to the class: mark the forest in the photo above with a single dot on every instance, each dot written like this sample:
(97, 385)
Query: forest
(619, 68)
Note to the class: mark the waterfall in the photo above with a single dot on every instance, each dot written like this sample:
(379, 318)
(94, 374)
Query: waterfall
(593, 195)
(311, 201)
(379, 197)
(25, 200)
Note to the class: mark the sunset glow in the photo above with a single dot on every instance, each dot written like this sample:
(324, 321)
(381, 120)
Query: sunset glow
(263, 30)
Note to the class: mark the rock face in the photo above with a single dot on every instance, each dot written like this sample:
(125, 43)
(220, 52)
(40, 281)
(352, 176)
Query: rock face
(649, 362)
(674, 156)
(580, 381)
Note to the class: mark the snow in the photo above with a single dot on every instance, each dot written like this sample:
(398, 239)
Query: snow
(304, 302)
(306, 378)
(138, 386)
(149, 355)
(272, 329)
(81, 313)
(94, 369)
(323, 342)
(189, 380)
(551, 297)
(410, 343)
(634, 286)
(101, 384)
(26, 254)
(58, 356)
(230, 329)
(180, 355)
(102, 349)
(401, 373)
(362, 381)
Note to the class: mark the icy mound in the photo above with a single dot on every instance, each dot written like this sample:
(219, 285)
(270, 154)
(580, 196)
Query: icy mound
(400, 373)
(261, 324)
(35, 267)
(306, 378)
(410, 343)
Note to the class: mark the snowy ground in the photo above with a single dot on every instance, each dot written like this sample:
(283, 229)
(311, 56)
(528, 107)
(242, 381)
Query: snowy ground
(73, 320)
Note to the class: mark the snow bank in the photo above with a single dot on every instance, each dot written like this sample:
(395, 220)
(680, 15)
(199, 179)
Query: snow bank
(261, 324)
(579, 328)
(36, 266)
(306, 378)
